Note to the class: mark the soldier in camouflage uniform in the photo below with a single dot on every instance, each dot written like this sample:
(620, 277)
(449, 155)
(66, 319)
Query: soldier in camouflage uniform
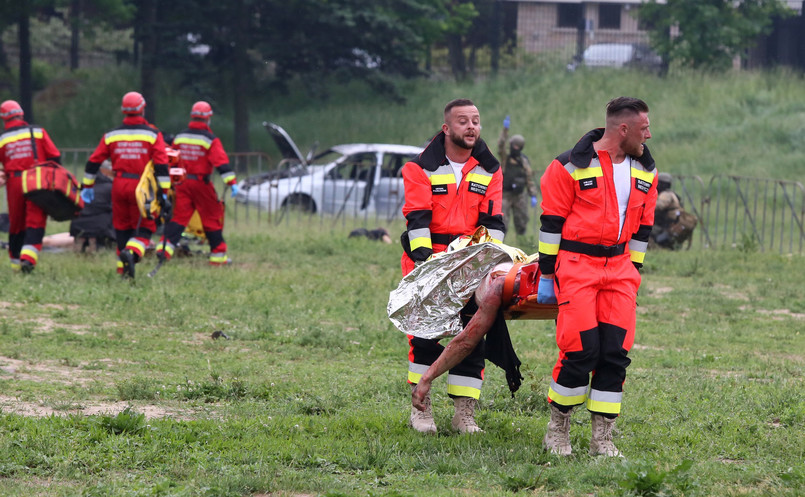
(518, 180)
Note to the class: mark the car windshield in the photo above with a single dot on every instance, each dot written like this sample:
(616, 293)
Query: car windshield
(327, 157)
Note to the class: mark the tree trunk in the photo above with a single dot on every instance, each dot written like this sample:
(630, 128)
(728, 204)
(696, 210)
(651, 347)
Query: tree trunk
(75, 32)
(26, 87)
(149, 54)
(455, 54)
(242, 77)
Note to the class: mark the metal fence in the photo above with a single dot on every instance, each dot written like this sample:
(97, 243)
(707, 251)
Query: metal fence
(762, 214)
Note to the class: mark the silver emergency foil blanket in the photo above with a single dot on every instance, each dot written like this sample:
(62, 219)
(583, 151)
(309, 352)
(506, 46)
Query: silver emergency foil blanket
(427, 301)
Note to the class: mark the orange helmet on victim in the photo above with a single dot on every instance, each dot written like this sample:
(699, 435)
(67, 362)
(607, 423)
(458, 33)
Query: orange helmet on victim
(133, 103)
(9, 109)
(201, 110)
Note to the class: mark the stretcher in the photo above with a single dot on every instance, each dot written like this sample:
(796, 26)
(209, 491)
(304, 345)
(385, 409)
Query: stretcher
(520, 294)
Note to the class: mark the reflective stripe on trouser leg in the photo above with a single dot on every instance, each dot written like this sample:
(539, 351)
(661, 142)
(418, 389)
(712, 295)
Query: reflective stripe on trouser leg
(463, 380)
(464, 386)
(567, 396)
(166, 248)
(30, 253)
(604, 402)
(15, 264)
(217, 247)
(137, 245)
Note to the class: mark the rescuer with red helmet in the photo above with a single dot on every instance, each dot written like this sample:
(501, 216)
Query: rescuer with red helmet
(200, 152)
(454, 186)
(598, 210)
(130, 147)
(23, 146)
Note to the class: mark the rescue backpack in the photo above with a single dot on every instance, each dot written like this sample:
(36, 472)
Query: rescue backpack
(681, 229)
(53, 189)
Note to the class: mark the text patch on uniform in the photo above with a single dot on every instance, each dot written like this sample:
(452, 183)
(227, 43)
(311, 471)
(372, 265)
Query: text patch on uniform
(438, 189)
(588, 183)
(642, 185)
(477, 188)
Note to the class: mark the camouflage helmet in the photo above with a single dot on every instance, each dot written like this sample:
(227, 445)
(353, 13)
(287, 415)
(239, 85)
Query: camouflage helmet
(517, 141)
(665, 178)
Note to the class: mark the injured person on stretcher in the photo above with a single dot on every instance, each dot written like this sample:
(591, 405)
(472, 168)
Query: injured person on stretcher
(468, 292)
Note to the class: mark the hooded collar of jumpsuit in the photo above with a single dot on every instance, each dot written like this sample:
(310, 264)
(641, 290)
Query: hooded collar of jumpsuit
(199, 125)
(13, 123)
(583, 152)
(135, 120)
(434, 155)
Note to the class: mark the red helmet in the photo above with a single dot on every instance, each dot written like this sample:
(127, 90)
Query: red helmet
(133, 103)
(201, 110)
(9, 109)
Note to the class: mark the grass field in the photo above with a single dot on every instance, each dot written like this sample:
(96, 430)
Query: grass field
(110, 388)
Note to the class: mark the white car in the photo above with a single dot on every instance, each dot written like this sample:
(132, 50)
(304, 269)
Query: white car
(351, 179)
(619, 55)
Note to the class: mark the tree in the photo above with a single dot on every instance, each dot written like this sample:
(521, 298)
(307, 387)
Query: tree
(711, 32)
(88, 15)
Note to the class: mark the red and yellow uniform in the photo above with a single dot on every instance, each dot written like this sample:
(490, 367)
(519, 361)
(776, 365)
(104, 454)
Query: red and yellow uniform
(130, 147)
(200, 152)
(438, 210)
(27, 221)
(595, 263)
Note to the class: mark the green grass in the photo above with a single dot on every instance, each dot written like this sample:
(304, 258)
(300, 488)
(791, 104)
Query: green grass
(308, 396)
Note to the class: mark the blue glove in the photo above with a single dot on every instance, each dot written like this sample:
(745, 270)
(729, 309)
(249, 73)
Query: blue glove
(506, 122)
(545, 291)
(88, 195)
(234, 190)
(533, 201)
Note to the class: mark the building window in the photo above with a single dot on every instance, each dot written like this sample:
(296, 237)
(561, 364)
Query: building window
(609, 16)
(569, 15)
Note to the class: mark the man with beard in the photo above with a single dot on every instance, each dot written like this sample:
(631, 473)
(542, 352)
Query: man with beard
(598, 210)
(451, 188)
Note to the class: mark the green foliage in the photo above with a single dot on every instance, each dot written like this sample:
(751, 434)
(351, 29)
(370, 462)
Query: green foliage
(710, 33)
(126, 421)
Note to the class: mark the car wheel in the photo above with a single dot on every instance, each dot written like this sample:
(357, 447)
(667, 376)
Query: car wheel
(299, 203)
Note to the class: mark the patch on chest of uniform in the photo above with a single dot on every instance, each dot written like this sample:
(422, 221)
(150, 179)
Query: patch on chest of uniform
(477, 188)
(588, 183)
(642, 185)
(438, 189)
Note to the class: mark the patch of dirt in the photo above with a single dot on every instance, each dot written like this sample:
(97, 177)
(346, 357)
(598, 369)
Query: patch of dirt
(730, 293)
(777, 314)
(54, 371)
(10, 405)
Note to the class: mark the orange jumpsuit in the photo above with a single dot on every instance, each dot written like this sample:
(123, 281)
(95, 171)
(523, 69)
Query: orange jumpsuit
(27, 221)
(438, 210)
(596, 270)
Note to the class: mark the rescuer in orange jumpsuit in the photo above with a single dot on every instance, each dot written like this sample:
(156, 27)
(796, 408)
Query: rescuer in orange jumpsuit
(598, 210)
(27, 221)
(129, 147)
(451, 188)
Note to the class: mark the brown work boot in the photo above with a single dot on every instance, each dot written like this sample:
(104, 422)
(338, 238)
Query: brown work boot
(422, 421)
(601, 439)
(557, 438)
(464, 418)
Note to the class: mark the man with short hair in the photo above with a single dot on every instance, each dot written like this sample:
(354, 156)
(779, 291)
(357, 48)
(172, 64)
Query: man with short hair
(130, 147)
(451, 188)
(598, 210)
(23, 146)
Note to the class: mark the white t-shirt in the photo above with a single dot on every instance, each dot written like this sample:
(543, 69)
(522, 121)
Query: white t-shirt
(622, 176)
(457, 167)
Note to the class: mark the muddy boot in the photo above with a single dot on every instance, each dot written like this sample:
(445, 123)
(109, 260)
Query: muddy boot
(464, 418)
(557, 438)
(127, 258)
(601, 440)
(422, 421)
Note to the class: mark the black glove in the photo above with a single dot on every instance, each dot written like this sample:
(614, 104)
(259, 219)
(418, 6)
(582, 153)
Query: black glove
(167, 207)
